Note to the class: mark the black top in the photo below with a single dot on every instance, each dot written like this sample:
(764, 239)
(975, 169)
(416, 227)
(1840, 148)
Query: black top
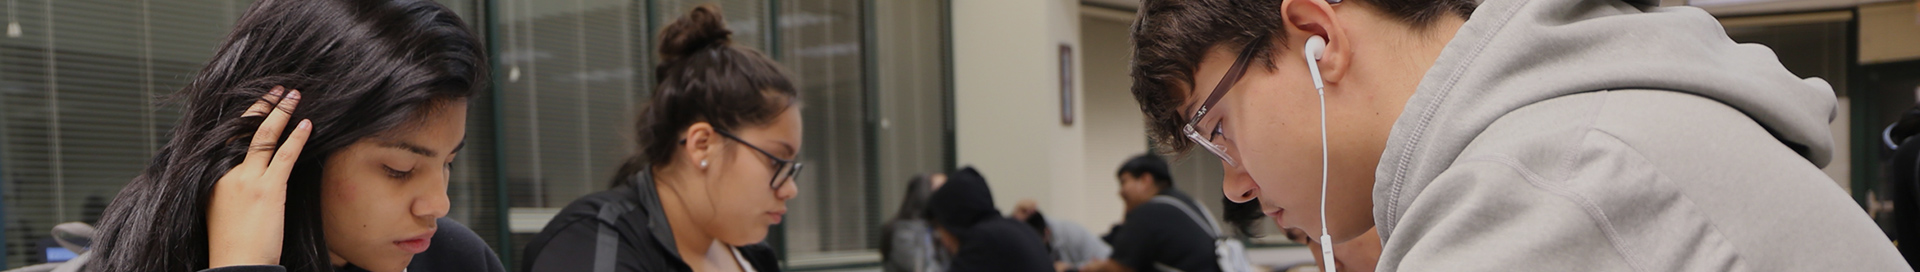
(1903, 172)
(988, 242)
(1160, 233)
(455, 248)
(1002, 245)
(621, 229)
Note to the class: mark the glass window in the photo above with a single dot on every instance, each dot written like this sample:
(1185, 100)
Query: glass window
(571, 74)
(820, 42)
(81, 110)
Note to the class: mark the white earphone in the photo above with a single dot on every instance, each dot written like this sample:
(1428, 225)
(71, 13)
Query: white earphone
(1315, 48)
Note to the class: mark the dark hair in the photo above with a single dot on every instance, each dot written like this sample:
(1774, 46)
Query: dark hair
(914, 204)
(1241, 216)
(362, 67)
(1171, 36)
(1151, 165)
(1038, 222)
(703, 77)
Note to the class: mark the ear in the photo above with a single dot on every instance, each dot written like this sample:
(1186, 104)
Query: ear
(1307, 18)
(699, 144)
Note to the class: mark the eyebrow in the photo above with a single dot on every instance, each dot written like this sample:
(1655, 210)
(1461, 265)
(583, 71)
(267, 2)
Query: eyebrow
(790, 150)
(418, 149)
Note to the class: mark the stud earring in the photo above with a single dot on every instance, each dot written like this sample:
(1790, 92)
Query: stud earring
(703, 163)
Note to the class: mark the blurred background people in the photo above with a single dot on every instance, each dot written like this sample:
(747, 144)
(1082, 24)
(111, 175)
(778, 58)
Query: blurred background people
(982, 240)
(1157, 233)
(907, 242)
(1900, 205)
(1070, 244)
(715, 167)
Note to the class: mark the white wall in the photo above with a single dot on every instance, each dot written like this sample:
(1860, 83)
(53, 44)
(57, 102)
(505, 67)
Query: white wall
(1007, 111)
(1007, 101)
(1889, 32)
(1116, 130)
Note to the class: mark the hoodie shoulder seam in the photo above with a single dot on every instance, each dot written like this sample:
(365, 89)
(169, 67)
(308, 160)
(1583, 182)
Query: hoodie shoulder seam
(1593, 211)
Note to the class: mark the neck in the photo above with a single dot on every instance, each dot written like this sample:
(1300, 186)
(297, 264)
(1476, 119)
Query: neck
(1403, 68)
(692, 241)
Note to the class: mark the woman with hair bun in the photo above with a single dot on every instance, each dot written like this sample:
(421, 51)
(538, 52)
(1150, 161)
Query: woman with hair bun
(718, 142)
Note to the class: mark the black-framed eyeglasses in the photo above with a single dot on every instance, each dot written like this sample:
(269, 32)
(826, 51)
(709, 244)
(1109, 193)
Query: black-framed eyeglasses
(1212, 141)
(784, 170)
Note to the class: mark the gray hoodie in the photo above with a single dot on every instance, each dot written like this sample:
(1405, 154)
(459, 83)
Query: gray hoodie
(1610, 135)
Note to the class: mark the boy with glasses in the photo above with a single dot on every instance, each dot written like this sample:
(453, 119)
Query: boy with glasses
(1545, 135)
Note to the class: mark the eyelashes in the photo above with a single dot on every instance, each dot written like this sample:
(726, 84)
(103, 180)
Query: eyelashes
(397, 174)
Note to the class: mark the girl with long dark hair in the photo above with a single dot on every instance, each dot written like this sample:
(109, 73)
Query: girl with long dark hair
(718, 141)
(907, 240)
(353, 179)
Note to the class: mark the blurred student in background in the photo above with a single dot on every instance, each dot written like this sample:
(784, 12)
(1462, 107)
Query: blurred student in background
(907, 242)
(718, 143)
(980, 239)
(1157, 233)
(1070, 244)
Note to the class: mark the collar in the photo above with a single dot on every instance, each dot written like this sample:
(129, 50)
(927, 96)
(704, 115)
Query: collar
(649, 198)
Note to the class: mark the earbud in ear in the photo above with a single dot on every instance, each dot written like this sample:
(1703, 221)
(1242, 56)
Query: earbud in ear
(1316, 46)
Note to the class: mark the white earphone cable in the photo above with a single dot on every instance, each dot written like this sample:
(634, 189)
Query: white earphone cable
(1314, 45)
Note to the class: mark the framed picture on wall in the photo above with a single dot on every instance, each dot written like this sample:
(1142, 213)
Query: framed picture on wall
(1066, 84)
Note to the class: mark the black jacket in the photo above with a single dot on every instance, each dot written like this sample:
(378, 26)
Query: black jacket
(1159, 234)
(621, 229)
(455, 248)
(988, 242)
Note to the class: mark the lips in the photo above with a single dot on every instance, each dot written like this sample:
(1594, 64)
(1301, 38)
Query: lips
(417, 243)
(776, 216)
(1275, 215)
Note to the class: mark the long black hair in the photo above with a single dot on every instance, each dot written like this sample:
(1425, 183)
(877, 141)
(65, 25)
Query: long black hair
(703, 77)
(363, 67)
(913, 205)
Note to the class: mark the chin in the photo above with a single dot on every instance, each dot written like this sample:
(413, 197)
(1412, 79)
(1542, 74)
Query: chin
(746, 239)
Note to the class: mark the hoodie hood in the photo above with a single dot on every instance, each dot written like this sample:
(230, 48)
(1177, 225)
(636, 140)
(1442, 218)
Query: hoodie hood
(1513, 53)
(963, 201)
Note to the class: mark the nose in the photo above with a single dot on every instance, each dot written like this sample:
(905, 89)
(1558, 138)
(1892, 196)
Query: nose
(1237, 185)
(433, 202)
(432, 205)
(789, 190)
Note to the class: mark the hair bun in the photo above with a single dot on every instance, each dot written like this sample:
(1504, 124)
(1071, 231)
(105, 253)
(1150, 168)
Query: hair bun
(700, 29)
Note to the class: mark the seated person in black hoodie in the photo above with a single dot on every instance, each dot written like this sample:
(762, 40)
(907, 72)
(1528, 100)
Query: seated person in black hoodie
(972, 228)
